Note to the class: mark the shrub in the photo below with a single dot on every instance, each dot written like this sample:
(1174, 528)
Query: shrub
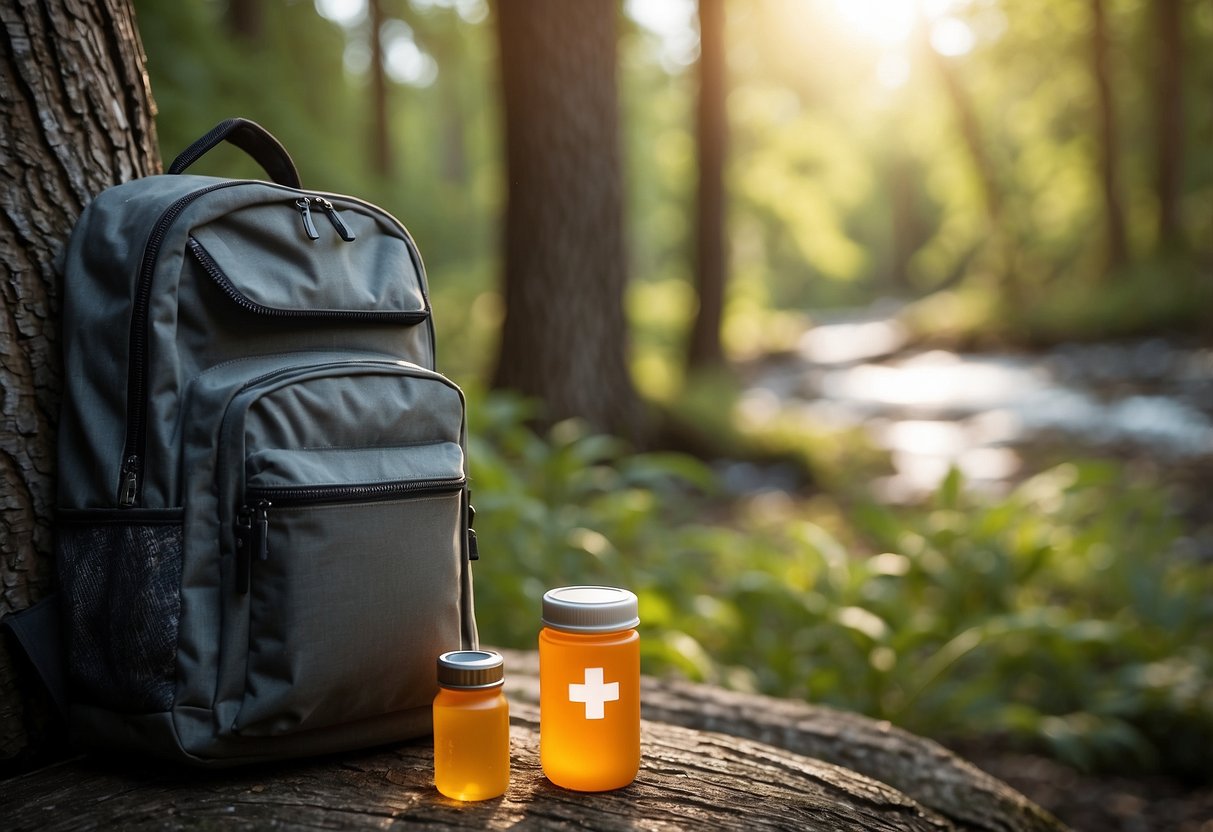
(1063, 614)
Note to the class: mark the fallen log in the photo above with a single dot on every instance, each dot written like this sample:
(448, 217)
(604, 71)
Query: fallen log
(712, 759)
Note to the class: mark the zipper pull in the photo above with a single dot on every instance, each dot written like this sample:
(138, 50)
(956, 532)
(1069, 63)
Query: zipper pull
(335, 219)
(304, 206)
(128, 484)
(262, 527)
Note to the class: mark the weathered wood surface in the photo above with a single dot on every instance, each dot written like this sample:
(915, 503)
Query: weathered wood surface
(744, 762)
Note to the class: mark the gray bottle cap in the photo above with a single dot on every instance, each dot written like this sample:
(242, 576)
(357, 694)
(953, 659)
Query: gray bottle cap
(471, 669)
(590, 609)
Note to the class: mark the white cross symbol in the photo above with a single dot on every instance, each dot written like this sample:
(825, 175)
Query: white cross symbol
(594, 693)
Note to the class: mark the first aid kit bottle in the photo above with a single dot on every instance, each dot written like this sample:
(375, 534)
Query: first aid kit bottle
(471, 726)
(589, 688)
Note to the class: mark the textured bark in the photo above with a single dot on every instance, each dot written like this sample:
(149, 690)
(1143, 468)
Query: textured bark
(919, 768)
(563, 340)
(75, 118)
(1109, 148)
(1169, 119)
(711, 255)
(689, 779)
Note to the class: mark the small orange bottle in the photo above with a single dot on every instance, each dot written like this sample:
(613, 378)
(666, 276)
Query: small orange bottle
(589, 688)
(471, 726)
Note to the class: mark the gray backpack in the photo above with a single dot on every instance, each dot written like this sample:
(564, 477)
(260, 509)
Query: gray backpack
(263, 534)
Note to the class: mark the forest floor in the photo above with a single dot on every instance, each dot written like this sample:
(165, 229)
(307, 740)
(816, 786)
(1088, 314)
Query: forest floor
(1001, 418)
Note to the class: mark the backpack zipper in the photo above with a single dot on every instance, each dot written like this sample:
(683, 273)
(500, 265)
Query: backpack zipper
(304, 204)
(129, 484)
(309, 227)
(253, 519)
(130, 477)
(335, 219)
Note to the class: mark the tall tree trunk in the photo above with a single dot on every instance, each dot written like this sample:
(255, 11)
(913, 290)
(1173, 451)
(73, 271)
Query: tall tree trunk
(711, 253)
(971, 132)
(381, 144)
(1169, 119)
(1109, 151)
(1000, 243)
(563, 340)
(245, 19)
(76, 118)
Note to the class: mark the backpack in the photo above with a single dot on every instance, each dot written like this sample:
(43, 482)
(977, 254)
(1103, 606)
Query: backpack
(263, 536)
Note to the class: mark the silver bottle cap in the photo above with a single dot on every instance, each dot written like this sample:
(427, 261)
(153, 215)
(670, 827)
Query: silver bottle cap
(590, 609)
(471, 669)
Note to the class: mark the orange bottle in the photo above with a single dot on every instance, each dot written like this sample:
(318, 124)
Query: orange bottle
(471, 726)
(589, 688)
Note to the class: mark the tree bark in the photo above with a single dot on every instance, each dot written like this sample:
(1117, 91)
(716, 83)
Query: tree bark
(711, 251)
(917, 767)
(76, 118)
(1109, 150)
(1169, 120)
(563, 340)
(710, 760)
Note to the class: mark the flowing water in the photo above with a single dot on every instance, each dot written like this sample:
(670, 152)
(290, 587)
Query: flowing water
(984, 413)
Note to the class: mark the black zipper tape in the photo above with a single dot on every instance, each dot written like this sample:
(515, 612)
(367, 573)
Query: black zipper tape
(213, 270)
(253, 517)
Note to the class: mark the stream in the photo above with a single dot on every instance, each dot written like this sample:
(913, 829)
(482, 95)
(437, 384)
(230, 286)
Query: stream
(986, 412)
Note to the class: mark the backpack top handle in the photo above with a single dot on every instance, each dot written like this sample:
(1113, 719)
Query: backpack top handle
(254, 140)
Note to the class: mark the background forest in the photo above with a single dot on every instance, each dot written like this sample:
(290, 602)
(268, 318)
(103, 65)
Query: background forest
(1011, 200)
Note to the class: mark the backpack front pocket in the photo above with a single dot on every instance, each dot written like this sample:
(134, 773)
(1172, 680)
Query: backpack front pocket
(348, 584)
(343, 508)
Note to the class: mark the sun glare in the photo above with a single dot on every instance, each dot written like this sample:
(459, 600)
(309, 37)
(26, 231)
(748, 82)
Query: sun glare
(890, 23)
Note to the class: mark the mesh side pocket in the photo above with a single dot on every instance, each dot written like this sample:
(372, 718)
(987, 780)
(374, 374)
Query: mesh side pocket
(122, 587)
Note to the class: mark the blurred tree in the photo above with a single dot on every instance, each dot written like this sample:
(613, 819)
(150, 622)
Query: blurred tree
(245, 19)
(1109, 148)
(77, 118)
(563, 339)
(711, 254)
(381, 140)
(971, 131)
(1169, 118)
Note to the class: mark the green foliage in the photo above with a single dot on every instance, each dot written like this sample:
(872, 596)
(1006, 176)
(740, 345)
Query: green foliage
(1061, 615)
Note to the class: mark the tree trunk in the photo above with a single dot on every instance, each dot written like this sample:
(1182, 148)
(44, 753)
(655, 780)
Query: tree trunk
(970, 130)
(710, 759)
(381, 143)
(1000, 242)
(711, 253)
(1169, 120)
(1109, 151)
(76, 118)
(245, 19)
(563, 340)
